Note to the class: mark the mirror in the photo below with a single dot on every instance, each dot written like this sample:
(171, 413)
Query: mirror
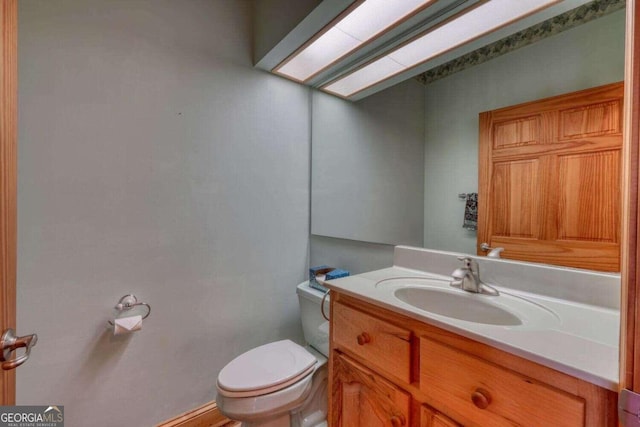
(367, 168)
(388, 169)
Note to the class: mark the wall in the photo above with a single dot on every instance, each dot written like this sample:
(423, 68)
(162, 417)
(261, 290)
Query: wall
(586, 56)
(153, 160)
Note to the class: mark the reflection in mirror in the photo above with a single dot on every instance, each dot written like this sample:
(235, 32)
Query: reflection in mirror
(588, 55)
(367, 166)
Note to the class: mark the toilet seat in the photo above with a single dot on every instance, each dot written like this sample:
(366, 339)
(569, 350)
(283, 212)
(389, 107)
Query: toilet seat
(265, 369)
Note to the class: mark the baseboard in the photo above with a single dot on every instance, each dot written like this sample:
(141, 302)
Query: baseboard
(207, 415)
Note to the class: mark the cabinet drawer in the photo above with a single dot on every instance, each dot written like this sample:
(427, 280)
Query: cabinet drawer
(385, 346)
(491, 395)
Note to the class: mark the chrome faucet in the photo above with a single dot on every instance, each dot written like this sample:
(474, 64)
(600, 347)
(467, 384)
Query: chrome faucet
(493, 252)
(468, 278)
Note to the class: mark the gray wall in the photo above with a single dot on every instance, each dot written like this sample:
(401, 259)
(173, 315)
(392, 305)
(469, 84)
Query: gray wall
(367, 166)
(154, 160)
(589, 55)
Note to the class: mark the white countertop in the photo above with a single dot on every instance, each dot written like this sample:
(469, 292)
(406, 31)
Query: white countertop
(582, 341)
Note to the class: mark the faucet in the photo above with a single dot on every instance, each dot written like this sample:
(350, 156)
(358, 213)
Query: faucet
(468, 278)
(494, 252)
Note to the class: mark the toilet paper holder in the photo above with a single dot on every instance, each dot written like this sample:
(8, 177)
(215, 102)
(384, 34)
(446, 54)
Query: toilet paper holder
(129, 302)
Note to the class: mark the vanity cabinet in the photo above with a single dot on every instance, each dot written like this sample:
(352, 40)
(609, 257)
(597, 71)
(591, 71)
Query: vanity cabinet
(432, 418)
(493, 395)
(367, 399)
(391, 370)
(385, 347)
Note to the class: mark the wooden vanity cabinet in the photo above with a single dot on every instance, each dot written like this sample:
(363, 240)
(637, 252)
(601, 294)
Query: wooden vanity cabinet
(365, 398)
(390, 370)
(495, 396)
(429, 417)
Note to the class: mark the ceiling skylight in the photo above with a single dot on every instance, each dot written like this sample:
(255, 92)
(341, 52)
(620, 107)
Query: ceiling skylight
(476, 22)
(364, 23)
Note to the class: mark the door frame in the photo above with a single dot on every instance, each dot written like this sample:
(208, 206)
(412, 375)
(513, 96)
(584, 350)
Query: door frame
(630, 257)
(8, 180)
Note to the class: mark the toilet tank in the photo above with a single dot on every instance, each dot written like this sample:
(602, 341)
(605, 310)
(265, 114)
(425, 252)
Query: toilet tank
(314, 326)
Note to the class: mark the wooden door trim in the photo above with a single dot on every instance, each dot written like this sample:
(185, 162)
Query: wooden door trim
(629, 339)
(8, 178)
(206, 415)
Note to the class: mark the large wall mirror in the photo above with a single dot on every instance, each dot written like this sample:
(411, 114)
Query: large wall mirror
(367, 172)
(389, 169)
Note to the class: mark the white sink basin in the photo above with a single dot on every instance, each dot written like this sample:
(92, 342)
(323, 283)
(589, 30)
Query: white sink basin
(502, 310)
(457, 305)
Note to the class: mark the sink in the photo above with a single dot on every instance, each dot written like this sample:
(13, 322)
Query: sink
(457, 305)
(502, 310)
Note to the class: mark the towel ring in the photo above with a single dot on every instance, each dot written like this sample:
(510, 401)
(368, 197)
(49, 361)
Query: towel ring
(128, 302)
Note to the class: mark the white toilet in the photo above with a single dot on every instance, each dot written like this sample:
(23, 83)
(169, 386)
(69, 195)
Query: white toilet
(281, 384)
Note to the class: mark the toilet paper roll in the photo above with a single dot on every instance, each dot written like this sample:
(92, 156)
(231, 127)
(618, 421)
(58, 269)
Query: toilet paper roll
(127, 325)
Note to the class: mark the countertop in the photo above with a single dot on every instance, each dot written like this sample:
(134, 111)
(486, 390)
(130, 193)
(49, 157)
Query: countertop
(582, 341)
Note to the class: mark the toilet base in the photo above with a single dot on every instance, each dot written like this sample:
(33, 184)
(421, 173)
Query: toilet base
(282, 421)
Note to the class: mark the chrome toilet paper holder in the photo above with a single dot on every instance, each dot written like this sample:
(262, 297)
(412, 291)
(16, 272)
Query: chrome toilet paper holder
(129, 302)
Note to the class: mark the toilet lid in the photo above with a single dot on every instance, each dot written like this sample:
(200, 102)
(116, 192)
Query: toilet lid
(266, 367)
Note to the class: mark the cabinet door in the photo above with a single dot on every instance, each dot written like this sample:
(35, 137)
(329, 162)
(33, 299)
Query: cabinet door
(361, 398)
(431, 418)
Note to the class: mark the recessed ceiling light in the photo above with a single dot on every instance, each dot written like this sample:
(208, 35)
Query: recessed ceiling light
(479, 20)
(364, 23)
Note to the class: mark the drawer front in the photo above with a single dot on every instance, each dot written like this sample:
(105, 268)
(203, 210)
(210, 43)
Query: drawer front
(493, 396)
(385, 346)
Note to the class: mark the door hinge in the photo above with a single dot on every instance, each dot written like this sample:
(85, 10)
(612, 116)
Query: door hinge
(629, 408)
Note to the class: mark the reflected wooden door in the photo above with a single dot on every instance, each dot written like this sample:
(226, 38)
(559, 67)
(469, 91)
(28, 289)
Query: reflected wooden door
(8, 167)
(549, 188)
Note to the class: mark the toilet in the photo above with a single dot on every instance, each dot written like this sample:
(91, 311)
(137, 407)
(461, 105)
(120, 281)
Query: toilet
(281, 384)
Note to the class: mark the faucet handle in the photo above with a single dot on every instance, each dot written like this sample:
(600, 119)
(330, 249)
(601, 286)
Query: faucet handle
(458, 276)
(471, 265)
(468, 262)
(459, 273)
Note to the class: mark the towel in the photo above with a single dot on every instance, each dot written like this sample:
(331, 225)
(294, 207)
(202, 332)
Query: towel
(471, 212)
